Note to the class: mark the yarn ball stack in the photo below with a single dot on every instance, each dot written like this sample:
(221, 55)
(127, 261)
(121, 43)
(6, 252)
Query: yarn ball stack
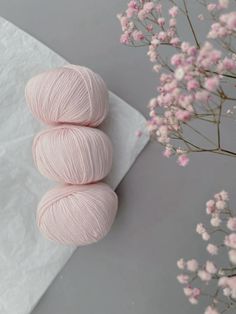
(73, 100)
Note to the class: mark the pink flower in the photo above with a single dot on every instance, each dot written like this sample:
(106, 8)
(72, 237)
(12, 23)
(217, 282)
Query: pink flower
(183, 279)
(183, 160)
(171, 32)
(152, 103)
(192, 293)
(129, 12)
(231, 224)
(208, 56)
(152, 55)
(161, 21)
(157, 68)
(188, 291)
(215, 56)
(193, 300)
(142, 14)
(223, 282)
(229, 64)
(173, 12)
(224, 4)
(149, 28)
(155, 42)
(210, 207)
(211, 7)
(181, 263)
(138, 35)
(175, 41)
(168, 152)
(228, 283)
(230, 240)
(183, 115)
(227, 292)
(176, 59)
(132, 8)
(212, 249)
(216, 221)
(225, 27)
(185, 46)
(212, 83)
(232, 256)
(223, 195)
(202, 96)
(162, 36)
(148, 6)
(210, 268)
(221, 205)
(133, 5)
(204, 275)
(196, 292)
(162, 134)
(216, 31)
(200, 229)
(205, 236)
(192, 51)
(231, 22)
(186, 102)
(192, 265)
(124, 39)
(192, 84)
(124, 21)
(201, 17)
(211, 310)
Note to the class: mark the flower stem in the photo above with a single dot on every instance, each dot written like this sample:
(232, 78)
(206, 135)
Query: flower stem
(190, 23)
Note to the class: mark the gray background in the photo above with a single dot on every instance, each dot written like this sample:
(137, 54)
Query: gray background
(133, 269)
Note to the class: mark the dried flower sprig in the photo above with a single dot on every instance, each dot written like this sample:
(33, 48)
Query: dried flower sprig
(222, 228)
(194, 81)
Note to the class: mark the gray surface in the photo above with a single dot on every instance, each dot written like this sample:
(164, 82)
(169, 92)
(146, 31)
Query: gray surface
(133, 269)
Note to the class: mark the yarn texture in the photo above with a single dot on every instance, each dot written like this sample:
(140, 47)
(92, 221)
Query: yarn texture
(77, 214)
(71, 94)
(73, 100)
(73, 154)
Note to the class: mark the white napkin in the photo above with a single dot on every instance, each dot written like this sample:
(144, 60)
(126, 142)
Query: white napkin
(28, 262)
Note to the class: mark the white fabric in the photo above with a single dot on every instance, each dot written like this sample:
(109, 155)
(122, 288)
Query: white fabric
(28, 262)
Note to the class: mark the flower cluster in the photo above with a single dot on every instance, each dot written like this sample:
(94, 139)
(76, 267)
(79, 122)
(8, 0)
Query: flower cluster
(226, 26)
(143, 22)
(192, 83)
(186, 94)
(223, 224)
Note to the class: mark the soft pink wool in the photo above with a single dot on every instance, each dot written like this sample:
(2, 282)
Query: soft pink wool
(77, 215)
(73, 154)
(71, 94)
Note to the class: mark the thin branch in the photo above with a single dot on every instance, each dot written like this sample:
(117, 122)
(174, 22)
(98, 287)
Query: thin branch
(199, 133)
(190, 23)
(218, 126)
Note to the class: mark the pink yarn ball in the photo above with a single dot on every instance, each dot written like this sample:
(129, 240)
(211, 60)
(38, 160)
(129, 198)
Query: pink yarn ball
(73, 154)
(77, 214)
(71, 94)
